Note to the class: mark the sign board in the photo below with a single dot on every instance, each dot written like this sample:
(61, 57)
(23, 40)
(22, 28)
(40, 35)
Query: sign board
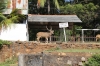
(63, 25)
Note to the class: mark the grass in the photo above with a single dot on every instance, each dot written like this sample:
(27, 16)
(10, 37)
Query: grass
(4, 42)
(10, 62)
(14, 60)
(73, 50)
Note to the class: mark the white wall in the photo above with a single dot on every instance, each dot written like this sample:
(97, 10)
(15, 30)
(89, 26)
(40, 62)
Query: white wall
(16, 32)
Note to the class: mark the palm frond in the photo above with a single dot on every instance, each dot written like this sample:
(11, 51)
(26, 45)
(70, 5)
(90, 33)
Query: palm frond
(7, 21)
(2, 17)
(16, 13)
(5, 24)
(56, 4)
(14, 19)
(3, 5)
(41, 3)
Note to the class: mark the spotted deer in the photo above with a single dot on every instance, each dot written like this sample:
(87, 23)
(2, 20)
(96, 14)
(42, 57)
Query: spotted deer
(97, 37)
(46, 35)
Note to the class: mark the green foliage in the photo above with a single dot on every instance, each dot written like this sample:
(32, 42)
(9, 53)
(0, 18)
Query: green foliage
(56, 32)
(56, 4)
(93, 61)
(75, 31)
(15, 16)
(6, 21)
(53, 49)
(3, 4)
(42, 3)
(59, 49)
(2, 17)
(86, 12)
(43, 7)
(9, 61)
(4, 42)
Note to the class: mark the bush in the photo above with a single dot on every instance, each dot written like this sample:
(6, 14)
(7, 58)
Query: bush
(4, 42)
(93, 61)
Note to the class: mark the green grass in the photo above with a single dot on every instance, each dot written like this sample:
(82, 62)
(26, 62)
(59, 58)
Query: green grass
(4, 42)
(73, 50)
(10, 62)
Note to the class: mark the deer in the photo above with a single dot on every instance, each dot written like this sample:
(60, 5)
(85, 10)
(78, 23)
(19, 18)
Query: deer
(46, 35)
(97, 37)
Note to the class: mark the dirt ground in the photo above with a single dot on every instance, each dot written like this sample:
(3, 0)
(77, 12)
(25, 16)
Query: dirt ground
(32, 47)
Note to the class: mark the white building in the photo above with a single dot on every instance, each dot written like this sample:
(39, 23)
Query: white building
(20, 31)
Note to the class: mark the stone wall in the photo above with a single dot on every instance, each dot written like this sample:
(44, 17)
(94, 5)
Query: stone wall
(53, 59)
(32, 47)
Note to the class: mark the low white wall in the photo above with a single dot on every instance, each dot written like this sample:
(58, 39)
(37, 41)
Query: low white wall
(16, 32)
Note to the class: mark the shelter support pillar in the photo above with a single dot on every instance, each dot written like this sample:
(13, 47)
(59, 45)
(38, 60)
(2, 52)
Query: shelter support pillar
(82, 35)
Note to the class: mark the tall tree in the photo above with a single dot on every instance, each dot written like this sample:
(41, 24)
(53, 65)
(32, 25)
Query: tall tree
(86, 12)
(41, 3)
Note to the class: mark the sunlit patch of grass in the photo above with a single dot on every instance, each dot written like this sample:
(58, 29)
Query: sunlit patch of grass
(10, 62)
(73, 50)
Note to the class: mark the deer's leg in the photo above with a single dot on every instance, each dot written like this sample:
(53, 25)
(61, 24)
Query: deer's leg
(38, 38)
(47, 39)
(96, 38)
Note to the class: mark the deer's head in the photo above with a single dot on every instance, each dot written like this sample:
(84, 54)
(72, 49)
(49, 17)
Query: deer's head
(50, 30)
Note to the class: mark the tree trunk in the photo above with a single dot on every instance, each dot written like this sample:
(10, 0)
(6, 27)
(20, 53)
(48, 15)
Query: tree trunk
(48, 6)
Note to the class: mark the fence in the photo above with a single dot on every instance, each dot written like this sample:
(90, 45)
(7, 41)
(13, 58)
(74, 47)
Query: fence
(79, 39)
(51, 39)
(71, 39)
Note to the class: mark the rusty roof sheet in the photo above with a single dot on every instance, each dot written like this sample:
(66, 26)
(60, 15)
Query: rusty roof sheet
(53, 18)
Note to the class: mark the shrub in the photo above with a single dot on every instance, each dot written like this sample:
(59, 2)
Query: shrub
(4, 42)
(93, 61)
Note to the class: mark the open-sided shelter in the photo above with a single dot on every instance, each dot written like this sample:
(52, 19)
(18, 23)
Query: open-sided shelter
(39, 22)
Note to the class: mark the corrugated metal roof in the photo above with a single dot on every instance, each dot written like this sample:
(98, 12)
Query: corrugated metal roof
(53, 18)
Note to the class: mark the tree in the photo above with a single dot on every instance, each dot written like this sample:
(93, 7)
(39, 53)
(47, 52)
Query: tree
(3, 4)
(7, 20)
(87, 13)
(33, 7)
(41, 3)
